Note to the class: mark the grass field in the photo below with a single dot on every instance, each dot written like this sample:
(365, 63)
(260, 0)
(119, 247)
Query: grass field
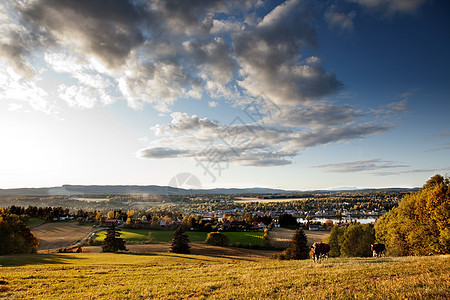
(162, 236)
(33, 222)
(172, 276)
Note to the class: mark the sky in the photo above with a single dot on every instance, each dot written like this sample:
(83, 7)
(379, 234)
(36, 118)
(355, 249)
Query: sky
(295, 94)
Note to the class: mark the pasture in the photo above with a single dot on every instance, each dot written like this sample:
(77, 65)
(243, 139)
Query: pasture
(174, 276)
(163, 236)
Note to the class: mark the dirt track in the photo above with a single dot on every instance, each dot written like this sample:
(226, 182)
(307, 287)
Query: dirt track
(61, 234)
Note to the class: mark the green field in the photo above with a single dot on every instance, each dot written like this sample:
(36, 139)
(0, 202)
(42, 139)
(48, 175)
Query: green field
(33, 222)
(173, 276)
(162, 236)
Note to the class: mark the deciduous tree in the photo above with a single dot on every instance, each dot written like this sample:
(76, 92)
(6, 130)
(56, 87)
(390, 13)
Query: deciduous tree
(15, 236)
(421, 222)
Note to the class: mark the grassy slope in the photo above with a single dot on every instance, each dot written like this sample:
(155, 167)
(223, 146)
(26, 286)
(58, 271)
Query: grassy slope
(172, 276)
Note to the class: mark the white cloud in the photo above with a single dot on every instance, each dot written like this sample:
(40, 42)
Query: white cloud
(339, 20)
(157, 53)
(360, 166)
(268, 142)
(392, 6)
(213, 103)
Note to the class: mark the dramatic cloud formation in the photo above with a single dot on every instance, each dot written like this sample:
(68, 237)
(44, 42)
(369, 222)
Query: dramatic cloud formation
(270, 141)
(244, 53)
(158, 52)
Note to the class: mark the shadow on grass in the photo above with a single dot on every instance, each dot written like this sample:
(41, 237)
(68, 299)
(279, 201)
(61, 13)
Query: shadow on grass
(377, 260)
(35, 259)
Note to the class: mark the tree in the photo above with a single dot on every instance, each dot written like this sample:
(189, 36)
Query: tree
(299, 248)
(113, 242)
(421, 222)
(357, 239)
(15, 236)
(335, 240)
(180, 242)
(111, 215)
(98, 216)
(287, 221)
(266, 238)
(217, 239)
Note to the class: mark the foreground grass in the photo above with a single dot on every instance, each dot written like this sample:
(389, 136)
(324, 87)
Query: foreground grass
(172, 276)
(163, 236)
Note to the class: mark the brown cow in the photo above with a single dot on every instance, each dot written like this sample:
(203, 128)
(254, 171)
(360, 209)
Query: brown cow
(378, 249)
(319, 250)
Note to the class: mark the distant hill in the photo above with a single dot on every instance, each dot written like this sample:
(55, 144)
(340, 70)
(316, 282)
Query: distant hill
(130, 190)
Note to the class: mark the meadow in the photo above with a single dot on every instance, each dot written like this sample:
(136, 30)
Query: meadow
(174, 276)
(165, 236)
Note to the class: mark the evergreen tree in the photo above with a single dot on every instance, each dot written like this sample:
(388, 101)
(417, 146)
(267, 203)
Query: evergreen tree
(113, 242)
(180, 242)
(299, 248)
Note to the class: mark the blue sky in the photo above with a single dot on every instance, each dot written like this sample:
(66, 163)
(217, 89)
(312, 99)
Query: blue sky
(292, 94)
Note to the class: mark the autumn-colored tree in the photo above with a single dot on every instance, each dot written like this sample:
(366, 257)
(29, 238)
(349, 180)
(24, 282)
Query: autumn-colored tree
(111, 214)
(266, 238)
(421, 222)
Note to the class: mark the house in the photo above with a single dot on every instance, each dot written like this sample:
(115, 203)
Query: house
(261, 226)
(110, 221)
(314, 227)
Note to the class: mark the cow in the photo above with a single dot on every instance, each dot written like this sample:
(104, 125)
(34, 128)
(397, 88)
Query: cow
(378, 249)
(319, 250)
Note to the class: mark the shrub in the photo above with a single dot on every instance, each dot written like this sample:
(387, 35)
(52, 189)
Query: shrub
(217, 239)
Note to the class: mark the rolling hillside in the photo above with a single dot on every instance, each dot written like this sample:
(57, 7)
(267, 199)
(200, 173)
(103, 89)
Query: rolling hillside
(173, 276)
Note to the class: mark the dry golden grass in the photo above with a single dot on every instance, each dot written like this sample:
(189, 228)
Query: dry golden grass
(172, 276)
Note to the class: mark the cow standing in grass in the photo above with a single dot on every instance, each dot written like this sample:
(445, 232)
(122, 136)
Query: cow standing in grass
(378, 249)
(319, 250)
